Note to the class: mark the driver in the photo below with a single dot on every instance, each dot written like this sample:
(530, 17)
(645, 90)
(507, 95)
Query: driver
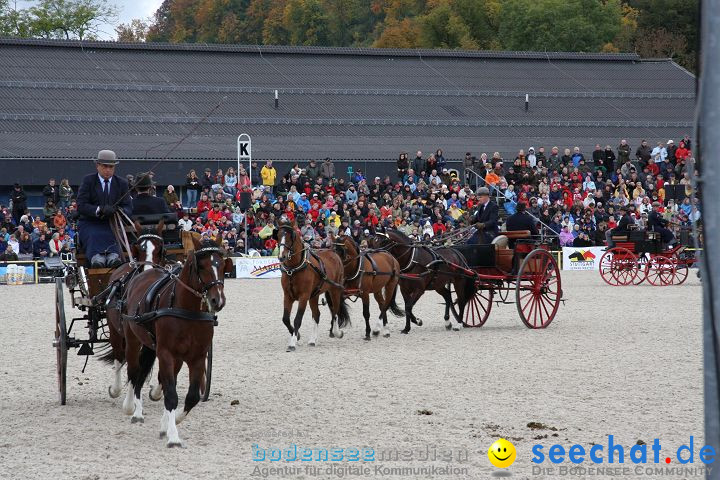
(100, 195)
(486, 218)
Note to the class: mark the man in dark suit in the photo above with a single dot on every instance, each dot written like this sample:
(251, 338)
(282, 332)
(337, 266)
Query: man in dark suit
(145, 203)
(100, 195)
(521, 220)
(623, 227)
(657, 223)
(486, 218)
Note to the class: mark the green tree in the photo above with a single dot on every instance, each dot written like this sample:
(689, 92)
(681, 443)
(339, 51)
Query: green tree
(306, 22)
(70, 19)
(274, 31)
(135, 31)
(559, 25)
(441, 27)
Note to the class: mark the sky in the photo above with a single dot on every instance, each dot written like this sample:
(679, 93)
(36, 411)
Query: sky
(128, 9)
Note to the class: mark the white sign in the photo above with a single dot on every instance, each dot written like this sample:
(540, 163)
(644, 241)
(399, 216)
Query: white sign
(582, 258)
(257, 267)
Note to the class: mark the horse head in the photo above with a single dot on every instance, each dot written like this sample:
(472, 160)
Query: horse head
(205, 270)
(149, 246)
(289, 242)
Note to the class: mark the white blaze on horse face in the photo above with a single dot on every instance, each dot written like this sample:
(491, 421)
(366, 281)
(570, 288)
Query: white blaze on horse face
(149, 248)
(281, 252)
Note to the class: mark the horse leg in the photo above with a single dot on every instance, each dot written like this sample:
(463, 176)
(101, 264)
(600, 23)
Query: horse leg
(409, 298)
(168, 370)
(118, 355)
(316, 321)
(336, 296)
(132, 357)
(447, 296)
(197, 375)
(366, 314)
(147, 359)
(302, 304)
(383, 301)
(287, 308)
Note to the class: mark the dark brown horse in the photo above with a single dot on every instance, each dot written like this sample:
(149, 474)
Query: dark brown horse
(307, 273)
(427, 268)
(370, 272)
(172, 315)
(147, 252)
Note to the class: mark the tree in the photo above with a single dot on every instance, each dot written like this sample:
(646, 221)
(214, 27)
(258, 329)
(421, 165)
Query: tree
(70, 19)
(135, 31)
(399, 34)
(441, 27)
(306, 22)
(559, 25)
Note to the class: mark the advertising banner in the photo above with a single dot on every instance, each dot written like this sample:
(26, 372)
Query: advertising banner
(586, 258)
(257, 267)
(16, 274)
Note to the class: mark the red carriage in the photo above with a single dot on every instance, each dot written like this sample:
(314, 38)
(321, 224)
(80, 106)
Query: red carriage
(639, 256)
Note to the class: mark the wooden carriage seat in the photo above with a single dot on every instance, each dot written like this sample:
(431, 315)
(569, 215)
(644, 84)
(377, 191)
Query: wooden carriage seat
(517, 234)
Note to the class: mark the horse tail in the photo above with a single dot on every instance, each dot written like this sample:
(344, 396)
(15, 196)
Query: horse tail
(343, 316)
(394, 309)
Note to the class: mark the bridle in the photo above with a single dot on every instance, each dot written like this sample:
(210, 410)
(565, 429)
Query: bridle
(205, 287)
(303, 252)
(150, 236)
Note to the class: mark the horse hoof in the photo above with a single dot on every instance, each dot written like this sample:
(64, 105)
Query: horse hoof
(332, 335)
(290, 349)
(367, 338)
(342, 334)
(137, 420)
(113, 395)
(175, 444)
(162, 435)
(405, 331)
(311, 344)
(387, 335)
(150, 396)
(457, 327)
(448, 326)
(375, 334)
(418, 323)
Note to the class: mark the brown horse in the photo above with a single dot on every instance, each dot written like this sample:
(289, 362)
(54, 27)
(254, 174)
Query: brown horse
(427, 268)
(370, 272)
(172, 315)
(147, 250)
(307, 273)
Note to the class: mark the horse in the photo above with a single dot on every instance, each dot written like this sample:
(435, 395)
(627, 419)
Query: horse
(307, 273)
(148, 251)
(370, 272)
(425, 268)
(171, 315)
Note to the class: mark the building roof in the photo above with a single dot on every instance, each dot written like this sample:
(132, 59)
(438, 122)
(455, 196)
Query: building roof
(68, 99)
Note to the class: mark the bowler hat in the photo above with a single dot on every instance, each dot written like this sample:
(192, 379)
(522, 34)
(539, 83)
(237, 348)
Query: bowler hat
(483, 191)
(143, 180)
(106, 157)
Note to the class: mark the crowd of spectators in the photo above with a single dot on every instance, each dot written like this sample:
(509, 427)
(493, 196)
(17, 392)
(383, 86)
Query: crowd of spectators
(574, 198)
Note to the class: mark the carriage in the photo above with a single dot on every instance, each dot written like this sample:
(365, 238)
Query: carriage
(528, 271)
(87, 286)
(639, 256)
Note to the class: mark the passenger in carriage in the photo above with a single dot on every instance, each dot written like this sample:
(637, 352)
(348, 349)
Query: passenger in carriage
(622, 228)
(521, 220)
(99, 197)
(486, 218)
(658, 224)
(144, 203)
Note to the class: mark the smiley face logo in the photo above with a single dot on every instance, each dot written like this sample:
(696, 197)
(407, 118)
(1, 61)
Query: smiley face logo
(502, 453)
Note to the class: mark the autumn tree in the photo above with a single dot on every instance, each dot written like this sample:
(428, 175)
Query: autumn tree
(135, 31)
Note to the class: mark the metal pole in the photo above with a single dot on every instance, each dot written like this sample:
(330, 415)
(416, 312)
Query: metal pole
(708, 113)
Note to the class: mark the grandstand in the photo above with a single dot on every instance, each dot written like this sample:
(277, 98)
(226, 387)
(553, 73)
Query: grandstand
(61, 101)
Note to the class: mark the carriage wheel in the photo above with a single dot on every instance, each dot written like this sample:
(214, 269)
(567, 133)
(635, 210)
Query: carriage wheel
(642, 269)
(504, 292)
(681, 270)
(619, 267)
(538, 289)
(208, 374)
(478, 308)
(660, 271)
(60, 342)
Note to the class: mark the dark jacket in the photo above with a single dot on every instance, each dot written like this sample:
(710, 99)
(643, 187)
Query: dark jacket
(19, 200)
(623, 225)
(39, 246)
(90, 196)
(193, 184)
(145, 204)
(26, 247)
(489, 216)
(521, 221)
(643, 153)
(623, 153)
(52, 193)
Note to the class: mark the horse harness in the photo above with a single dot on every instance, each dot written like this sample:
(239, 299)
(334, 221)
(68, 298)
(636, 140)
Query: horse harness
(171, 279)
(319, 269)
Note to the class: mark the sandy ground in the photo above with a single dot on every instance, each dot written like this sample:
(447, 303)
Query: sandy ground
(621, 361)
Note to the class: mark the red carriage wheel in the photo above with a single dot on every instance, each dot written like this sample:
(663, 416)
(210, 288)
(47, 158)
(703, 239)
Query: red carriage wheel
(60, 343)
(660, 271)
(619, 267)
(642, 269)
(538, 289)
(478, 308)
(681, 270)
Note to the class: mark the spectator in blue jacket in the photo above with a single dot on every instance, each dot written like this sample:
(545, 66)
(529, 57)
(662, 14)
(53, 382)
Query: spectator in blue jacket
(303, 202)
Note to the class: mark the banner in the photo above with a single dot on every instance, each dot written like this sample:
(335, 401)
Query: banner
(15, 274)
(585, 258)
(257, 267)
